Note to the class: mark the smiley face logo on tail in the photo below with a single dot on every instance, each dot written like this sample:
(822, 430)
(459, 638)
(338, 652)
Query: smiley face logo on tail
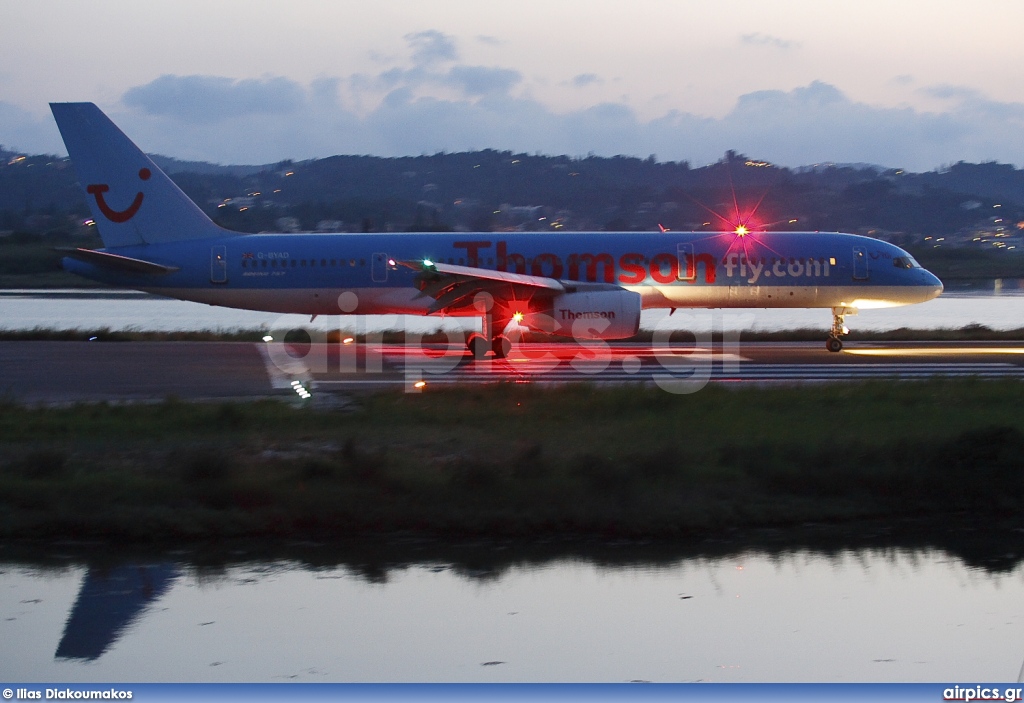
(98, 189)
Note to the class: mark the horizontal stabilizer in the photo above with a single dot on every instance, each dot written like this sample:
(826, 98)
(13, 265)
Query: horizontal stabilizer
(116, 262)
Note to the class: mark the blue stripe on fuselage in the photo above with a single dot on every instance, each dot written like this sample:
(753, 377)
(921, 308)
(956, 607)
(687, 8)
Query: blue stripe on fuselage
(290, 261)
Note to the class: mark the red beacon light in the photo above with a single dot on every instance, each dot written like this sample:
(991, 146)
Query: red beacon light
(741, 231)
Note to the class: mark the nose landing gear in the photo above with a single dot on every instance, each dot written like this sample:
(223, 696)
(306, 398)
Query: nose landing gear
(835, 335)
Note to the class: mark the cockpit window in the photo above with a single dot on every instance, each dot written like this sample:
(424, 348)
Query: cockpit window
(905, 262)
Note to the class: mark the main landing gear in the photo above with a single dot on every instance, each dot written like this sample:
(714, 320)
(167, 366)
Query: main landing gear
(835, 341)
(480, 344)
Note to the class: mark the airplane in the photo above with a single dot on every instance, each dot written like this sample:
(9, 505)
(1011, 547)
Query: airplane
(586, 285)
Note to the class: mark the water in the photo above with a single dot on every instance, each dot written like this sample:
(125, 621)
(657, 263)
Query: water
(855, 615)
(997, 305)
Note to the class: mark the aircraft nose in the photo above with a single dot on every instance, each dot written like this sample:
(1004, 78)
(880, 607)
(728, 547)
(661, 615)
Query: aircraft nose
(935, 284)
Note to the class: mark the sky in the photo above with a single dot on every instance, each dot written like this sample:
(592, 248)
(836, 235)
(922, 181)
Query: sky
(915, 84)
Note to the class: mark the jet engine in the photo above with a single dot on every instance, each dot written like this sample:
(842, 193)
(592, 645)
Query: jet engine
(604, 314)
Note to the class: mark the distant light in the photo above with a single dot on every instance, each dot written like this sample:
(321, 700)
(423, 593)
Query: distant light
(347, 340)
(420, 384)
(428, 262)
(268, 338)
(296, 383)
(93, 339)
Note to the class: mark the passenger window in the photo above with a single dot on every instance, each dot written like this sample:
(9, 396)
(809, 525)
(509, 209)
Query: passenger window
(362, 262)
(264, 263)
(351, 262)
(323, 262)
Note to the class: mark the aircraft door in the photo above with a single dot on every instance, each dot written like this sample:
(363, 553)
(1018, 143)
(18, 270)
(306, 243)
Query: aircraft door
(219, 264)
(379, 267)
(860, 263)
(687, 267)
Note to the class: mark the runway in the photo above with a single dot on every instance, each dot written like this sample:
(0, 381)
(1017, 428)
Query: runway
(70, 372)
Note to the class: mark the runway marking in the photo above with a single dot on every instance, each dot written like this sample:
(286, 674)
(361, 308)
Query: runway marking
(560, 364)
(712, 373)
(936, 351)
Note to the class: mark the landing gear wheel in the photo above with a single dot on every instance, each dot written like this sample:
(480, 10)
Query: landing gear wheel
(478, 346)
(501, 346)
(834, 344)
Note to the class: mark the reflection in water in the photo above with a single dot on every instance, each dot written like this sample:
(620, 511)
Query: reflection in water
(873, 603)
(109, 601)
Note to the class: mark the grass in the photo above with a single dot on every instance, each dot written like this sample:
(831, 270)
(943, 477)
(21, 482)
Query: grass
(514, 461)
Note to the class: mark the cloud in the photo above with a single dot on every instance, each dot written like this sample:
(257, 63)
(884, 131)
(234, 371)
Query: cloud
(480, 80)
(214, 98)
(431, 46)
(584, 79)
(758, 39)
(264, 120)
(950, 92)
(489, 40)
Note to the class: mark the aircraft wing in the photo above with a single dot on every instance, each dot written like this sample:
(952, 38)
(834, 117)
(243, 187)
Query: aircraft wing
(453, 287)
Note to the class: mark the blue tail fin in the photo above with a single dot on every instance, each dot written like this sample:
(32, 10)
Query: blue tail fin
(132, 201)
